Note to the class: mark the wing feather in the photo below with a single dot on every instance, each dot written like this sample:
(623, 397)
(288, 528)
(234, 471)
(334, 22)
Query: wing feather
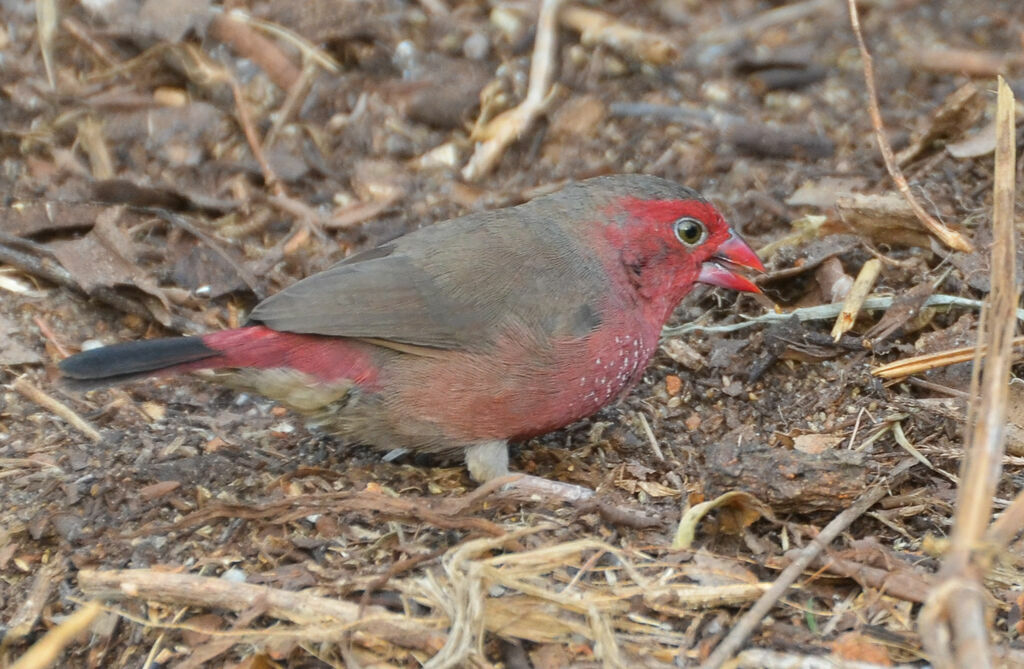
(453, 285)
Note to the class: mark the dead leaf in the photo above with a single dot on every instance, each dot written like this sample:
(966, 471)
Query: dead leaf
(104, 258)
(655, 489)
(206, 272)
(742, 510)
(958, 112)
(824, 192)
(706, 568)
(885, 218)
(24, 219)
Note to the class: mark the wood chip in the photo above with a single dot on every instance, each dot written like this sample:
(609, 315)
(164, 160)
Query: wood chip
(862, 286)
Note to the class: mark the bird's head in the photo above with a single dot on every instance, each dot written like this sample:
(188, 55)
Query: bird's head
(669, 238)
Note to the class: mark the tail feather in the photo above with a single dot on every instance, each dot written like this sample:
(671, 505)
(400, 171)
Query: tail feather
(321, 359)
(131, 360)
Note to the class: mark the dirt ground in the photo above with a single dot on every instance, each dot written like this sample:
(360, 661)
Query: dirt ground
(136, 206)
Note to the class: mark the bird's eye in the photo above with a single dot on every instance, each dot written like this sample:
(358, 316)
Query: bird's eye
(690, 231)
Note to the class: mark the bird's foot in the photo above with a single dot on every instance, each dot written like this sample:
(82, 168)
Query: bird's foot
(488, 463)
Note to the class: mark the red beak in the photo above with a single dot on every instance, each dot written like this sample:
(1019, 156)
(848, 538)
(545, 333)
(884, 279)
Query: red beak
(719, 269)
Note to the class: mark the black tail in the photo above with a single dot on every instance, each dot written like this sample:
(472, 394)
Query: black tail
(135, 359)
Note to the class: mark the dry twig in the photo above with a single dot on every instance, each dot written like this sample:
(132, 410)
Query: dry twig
(247, 42)
(855, 298)
(787, 14)
(824, 312)
(297, 607)
(24, 619)
(510, 125)
(745, 626)
(952, 622)
(598, 27)
(950, 238)
(31, 392)
(45, 652)
(928, 361)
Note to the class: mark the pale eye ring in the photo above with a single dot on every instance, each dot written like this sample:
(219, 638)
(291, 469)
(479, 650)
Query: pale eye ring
(690, 231)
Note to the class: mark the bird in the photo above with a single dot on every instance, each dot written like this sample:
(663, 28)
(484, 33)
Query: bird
(469, 334)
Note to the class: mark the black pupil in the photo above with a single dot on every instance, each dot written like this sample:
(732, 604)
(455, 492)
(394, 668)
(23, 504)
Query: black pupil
(690, 231)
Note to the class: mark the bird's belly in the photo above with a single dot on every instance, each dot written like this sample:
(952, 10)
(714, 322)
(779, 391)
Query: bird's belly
(519, 390)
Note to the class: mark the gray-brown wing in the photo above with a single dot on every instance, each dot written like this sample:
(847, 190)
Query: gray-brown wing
(386, 298)
(449, 286)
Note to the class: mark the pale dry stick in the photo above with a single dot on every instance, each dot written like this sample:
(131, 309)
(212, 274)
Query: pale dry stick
(508, 126)
(249, 130)
(27, 462)
(47, 332)
(308, 50)
(969, 62)
(651, 439)
(904, 443)
(46, 28)
(950, 238)
(31, 392)
(463, 597)
(983, 463)
(1007, 526)
(696, 597)
(240, 633)
(45, 652)
(784, 15)
(862, 286)
(93, 143)
(923, 363)
(752, 618)
(606, 648)
(298, 607)
(246, 42)
(856, 428)
(597, 27)
(295, 98)
(763, 658)
(78, 30)
(952, 624)
(27, 615)
(822, 312)
(150, 660)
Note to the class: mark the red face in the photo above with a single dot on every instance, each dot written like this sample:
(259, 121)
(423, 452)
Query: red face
(671, 244)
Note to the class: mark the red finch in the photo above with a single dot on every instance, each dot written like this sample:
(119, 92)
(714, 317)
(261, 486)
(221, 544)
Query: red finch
(468, 334)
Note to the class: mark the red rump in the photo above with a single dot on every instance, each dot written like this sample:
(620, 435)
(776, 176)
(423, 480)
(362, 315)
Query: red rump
(324, 358)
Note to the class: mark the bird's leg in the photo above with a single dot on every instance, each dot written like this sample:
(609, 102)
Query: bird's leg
(489, 460)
